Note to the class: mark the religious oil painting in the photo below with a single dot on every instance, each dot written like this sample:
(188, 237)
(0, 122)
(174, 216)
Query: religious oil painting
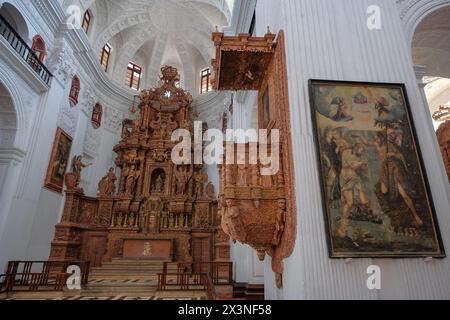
(374, 187)
(59, 161)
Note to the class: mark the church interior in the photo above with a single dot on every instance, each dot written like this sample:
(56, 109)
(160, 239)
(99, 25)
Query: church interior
(224, 150)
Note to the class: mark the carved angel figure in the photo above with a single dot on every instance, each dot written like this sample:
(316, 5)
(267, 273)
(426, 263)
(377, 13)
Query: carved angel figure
(132, 176)
(200, 178)
(77, 167)
(182, 177)
(107, 186)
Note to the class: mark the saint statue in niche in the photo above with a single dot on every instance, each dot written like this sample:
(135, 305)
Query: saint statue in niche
(159, 186)
(158, 181)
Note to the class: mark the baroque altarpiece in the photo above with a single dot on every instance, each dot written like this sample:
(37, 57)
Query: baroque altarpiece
(155, 209)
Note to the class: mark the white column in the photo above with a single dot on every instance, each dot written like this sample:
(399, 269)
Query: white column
(247, 267)
(330, 40)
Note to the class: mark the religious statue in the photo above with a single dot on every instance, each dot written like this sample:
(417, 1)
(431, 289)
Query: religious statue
(159, 185)
(131, 178)
(242, 175)
(144, 216)
(281, 221)
(182, 177)
(199, 179)
(209, 191)
(107, 186)
(171, 126)
(231, 221)
(155, 125)
(127, 126)
(77, 167)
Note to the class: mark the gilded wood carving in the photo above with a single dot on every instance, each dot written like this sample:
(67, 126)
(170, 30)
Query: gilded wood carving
(257, 209)
(152, 198)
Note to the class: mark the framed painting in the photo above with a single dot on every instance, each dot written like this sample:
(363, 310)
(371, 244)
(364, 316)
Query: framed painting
(375, 192)
(59, 160)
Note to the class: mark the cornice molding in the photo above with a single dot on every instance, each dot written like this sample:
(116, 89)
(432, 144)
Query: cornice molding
(13, 59)
(82, 50)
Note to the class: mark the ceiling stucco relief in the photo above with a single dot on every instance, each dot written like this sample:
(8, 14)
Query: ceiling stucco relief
(157, 32)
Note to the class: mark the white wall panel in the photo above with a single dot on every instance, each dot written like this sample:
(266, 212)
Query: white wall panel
(330, 40)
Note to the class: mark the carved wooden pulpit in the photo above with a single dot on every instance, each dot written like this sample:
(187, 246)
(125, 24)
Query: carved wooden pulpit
(258, 209)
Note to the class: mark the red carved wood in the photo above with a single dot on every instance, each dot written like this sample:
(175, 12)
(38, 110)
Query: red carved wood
(255, 210)
(443, 135)
(152, 200)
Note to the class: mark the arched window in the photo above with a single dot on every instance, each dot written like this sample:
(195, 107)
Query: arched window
(74, 91)
(205, 81)
(13, 16)
(38, 47)
(86, 21)
(106, 54)
(133, 76)
(97, 115)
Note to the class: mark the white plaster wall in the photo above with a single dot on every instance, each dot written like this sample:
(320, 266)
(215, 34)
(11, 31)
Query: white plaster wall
(247, 267)
(28, 211)
(26, 206)
(330, 40)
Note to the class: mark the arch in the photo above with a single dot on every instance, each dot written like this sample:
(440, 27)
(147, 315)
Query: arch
(430, 47)
(412, 15)
(431, 43)
(38, 47)
(16, 95)
(13, 16)
(8, 119)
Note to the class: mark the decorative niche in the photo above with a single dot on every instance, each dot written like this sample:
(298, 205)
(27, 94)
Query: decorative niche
(255, 209)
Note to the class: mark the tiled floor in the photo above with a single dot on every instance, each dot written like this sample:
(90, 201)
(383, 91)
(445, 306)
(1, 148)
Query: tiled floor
(112, 298)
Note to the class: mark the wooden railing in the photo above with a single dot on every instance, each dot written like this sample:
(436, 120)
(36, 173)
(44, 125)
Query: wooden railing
(192, 276)
(187, 282)
(24, 51)
(40, 275)
(182, 281)
(221, 272)
(210, 288)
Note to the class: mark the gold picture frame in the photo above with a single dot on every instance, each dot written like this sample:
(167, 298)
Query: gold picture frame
(59, 161)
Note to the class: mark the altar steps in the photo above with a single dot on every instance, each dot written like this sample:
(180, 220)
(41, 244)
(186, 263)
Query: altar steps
(129, 288)
(133, 279)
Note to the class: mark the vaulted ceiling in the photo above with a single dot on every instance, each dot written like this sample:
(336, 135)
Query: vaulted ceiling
(431, 43)
(431, 48)
(156, 32)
